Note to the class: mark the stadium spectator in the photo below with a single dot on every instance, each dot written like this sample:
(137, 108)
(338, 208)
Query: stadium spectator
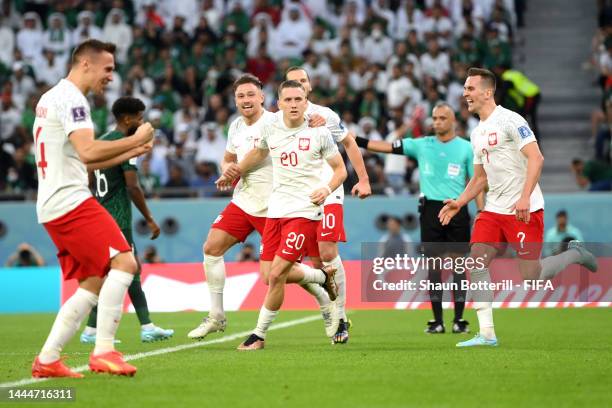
(86, 28)
(394, 241)
(211, 145)
(562, 232)
(22, 173)
(292, 35)
(150, 256)
(434, 62)
(26, 255)
(30, 38)
(247, 253)
(22, 84)
(594, 174)
(378, 44)
(148, 181)
(7, 39)
(57, 38)
(117, 31)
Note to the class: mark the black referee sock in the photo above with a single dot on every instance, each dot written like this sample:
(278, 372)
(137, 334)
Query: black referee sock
(437, 311)
(459, 296)
(435, 296)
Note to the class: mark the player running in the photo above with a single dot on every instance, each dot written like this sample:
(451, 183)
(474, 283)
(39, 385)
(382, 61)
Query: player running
(507, 158)
(248, 208)
(116, 188)
(331, 230)
(294, 211)
(88, 240)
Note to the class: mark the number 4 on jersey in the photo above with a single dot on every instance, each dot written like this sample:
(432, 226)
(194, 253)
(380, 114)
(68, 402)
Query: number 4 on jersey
(42, 163)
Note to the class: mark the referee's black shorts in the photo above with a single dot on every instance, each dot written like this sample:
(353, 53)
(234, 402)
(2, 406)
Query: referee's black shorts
(456, 235)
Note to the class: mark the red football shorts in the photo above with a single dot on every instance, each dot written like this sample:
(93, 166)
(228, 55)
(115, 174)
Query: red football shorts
(331, 228)
(290, 239)
(86, 239)
(238, 223)
(496, 229)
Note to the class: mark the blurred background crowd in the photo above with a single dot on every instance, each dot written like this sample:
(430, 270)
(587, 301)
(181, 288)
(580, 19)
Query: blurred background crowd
(380, 64)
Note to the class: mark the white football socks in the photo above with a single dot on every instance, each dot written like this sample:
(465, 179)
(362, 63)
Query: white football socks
(266, 317)
(552, 265)
(340, 278)
(110, 306)
(66, 323)
(312, 275)
(214, 267)
(483, 303)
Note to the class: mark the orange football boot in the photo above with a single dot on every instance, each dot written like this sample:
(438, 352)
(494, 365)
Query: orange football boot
(111, 362)
(54, 369)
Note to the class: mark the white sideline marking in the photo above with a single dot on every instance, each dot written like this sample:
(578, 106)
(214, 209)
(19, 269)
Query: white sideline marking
(137, 356)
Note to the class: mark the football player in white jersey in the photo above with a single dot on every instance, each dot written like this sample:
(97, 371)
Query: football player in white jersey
(247, 210)
(331, 230)
(507, 159)
(104, 266)
(294, 211)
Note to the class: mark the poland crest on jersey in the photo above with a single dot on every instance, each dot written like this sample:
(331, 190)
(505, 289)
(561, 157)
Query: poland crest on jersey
(492, 139)
(304, 143)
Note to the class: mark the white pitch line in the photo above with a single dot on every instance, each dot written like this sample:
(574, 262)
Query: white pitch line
(137, 356)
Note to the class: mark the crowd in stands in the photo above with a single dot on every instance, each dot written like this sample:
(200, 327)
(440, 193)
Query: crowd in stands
(380, 64)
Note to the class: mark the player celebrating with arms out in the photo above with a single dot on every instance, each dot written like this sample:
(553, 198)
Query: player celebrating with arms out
(294, 210)
(116, 188)
(507, 158)
(88, 240)
(331, 230)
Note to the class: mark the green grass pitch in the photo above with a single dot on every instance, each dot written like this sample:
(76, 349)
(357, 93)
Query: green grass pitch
(546, 358)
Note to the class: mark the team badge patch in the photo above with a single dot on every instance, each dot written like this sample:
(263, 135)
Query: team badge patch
(524, 131)
(304, 143)
(492, 139)
(78, 114)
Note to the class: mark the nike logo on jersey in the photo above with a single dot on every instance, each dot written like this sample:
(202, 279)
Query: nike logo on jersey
(286, 252)
(324, 234)
(523, 252)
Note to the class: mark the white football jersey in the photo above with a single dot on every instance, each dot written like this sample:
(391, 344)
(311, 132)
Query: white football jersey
(497, 144)
(297, 156)
(62, 176)
(253, 190)
(339, 132)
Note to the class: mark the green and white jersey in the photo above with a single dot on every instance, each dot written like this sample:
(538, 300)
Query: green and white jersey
(111, 189)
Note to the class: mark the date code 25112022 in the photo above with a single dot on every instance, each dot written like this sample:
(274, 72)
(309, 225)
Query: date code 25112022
(37, 394)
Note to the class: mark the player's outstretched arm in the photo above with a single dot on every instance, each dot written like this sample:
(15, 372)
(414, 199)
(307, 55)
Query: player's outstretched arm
(138, 198)
(91, 150)
(362, 189)
(374, 145)
(476, 185)
(535, 162)
(337, 164)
